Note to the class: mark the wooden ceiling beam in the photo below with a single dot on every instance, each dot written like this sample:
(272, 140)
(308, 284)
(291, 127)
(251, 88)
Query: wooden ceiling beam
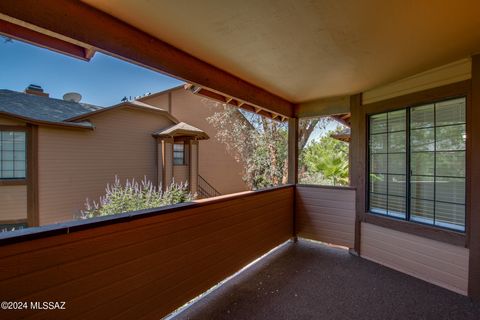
(81, 22)
(18, 32)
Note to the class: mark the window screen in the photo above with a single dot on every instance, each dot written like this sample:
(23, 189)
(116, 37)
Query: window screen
(417, 164)
(12, 155)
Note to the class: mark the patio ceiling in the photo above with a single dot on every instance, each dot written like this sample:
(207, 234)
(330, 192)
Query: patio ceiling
(305, 50)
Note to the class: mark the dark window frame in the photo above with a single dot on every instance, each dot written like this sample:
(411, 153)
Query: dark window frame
(408, 107)
(18, 180)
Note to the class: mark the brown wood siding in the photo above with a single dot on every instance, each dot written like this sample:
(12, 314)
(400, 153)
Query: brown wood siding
(148, 267)
(75, 165)
(436, 262)
(181, 174)
(326, 214)
(13, 202)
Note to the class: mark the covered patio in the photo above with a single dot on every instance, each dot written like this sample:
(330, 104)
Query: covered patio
(308, 280)
(411, 230)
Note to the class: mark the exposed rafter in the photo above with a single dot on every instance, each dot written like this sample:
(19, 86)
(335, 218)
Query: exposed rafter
(234, 102)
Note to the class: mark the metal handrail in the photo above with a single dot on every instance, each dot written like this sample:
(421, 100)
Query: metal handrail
(205, 189)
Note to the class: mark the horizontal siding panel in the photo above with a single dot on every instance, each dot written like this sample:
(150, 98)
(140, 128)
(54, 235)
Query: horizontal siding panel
(440, 263)
(326, 214)
(327, 193)
(13, 202)
(193, 220)
(149, 266)
(180, 242)
(432, 250)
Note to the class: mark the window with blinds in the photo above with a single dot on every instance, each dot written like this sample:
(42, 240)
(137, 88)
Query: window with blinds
(417, 164)
(179, 154)
(12, 155)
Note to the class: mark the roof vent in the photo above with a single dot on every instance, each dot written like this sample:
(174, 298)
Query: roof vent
(72, 96)
(36, 90)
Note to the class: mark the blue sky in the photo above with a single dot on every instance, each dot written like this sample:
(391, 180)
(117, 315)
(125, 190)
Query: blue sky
(102, 81)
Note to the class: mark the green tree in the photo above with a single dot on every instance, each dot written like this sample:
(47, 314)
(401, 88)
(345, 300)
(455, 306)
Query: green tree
(258, 143)
(326, 161)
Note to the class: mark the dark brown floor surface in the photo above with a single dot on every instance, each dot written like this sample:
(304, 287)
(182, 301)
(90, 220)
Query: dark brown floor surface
(307, 280)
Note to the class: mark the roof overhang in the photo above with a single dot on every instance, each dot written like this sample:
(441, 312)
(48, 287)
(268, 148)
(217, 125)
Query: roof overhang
(181, 130)
(63, 124)
(77, 22)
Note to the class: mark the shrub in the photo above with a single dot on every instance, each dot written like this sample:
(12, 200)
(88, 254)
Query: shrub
(134, 196)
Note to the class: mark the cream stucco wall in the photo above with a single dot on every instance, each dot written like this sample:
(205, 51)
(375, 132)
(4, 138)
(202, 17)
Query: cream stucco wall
(77, 164)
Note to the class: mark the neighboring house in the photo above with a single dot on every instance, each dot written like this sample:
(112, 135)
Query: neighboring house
(56, 153)
(216, 166)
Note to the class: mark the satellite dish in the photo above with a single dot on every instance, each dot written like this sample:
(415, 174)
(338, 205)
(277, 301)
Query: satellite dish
(72, 96)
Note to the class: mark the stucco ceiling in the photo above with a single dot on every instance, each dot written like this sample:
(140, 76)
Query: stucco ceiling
(303, 50)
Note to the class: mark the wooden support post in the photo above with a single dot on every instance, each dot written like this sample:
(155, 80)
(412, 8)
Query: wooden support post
(473, 181)
(193, 165)
(357, 162)
(293, 165)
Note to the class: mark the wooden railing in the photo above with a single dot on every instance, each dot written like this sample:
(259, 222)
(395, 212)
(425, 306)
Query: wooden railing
(326, 214)
(141, 265)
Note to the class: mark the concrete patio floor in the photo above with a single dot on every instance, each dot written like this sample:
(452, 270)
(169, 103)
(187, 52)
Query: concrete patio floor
(306, 280)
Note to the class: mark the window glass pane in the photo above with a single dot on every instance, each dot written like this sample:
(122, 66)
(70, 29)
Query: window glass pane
(378, 203)
(7, 136)
(396, 185)
(19, 174)
(19, 141)
(7, 155)
(19, 155)
(7, 145)
(396, 142)
(421, 117)
(421, 211)
(378, 143)
(378, 183)
(422, 163)
(19, 165)
(378, 123)
(451, 137)
(396, 163)
(7, 174)
(396, 207)
(422, 187)
(396, 120)
(378, 163)
(450, 215)
(422, 139)
(450, 164)
(7, 165)
(178, 147)
(450, 190)
(450, 112)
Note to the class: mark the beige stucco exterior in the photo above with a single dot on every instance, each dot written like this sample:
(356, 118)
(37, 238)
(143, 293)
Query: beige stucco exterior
(74, 165)
(216, 165)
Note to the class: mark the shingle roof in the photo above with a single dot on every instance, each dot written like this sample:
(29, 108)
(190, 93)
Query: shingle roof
(44, 109)
(182, 129)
